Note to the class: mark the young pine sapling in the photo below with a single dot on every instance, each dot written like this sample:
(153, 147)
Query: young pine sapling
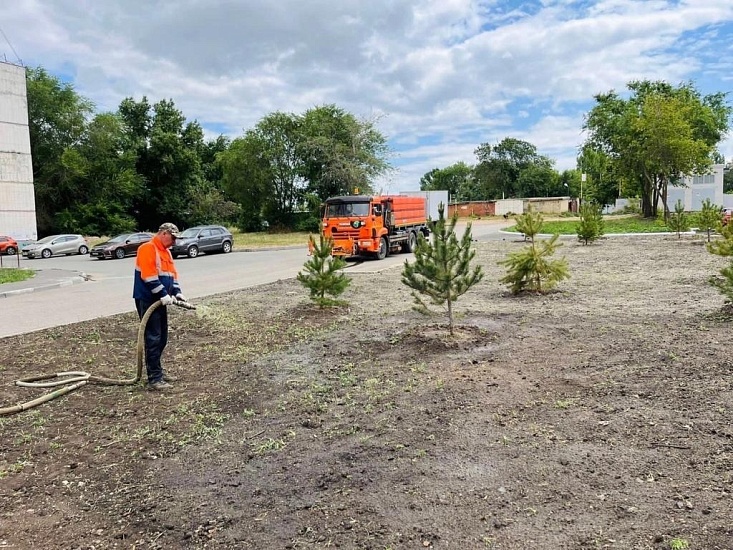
(531, 268)
(442, 268)
(590, 226)
(709, 217)
(322, 277)
(678, 221)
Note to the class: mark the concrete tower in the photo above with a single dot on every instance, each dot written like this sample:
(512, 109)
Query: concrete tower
(17, 201)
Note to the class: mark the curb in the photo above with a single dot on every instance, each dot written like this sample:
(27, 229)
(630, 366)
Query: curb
(66, 282)
(568, 236)
(270, 248)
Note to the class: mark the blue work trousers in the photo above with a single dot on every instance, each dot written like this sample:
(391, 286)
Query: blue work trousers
(156, 338)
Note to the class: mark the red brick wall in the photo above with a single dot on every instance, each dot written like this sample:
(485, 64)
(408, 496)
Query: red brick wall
(467, 209)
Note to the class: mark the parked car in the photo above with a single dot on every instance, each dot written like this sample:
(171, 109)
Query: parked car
(202, 238)
(56, 244)
(8, 245)
(120, 246)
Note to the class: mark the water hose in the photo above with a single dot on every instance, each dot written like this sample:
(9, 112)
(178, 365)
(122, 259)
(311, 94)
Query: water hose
(73, 380)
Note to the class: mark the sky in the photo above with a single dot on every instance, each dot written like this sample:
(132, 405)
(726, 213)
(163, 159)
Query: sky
(438, 78)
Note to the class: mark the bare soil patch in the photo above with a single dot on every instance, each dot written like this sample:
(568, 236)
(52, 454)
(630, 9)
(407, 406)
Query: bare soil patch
(598, 416)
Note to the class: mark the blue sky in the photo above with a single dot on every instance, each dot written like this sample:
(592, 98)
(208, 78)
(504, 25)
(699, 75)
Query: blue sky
(438, 78)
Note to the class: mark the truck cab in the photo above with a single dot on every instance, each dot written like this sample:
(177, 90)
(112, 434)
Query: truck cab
(360, 225)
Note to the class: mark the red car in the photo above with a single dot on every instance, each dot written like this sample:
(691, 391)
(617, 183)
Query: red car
(8, 245)
(727, 213)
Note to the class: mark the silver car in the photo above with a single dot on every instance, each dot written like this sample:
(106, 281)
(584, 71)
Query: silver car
(56, 244)
(202, 238)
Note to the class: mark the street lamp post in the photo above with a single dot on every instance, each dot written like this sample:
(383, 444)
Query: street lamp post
(582, 179)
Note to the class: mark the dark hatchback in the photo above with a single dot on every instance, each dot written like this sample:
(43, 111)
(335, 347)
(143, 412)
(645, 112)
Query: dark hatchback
(202, 238)
(120, 246)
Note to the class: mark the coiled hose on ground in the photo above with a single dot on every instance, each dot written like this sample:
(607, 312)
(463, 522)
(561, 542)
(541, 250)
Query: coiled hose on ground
(73, 380)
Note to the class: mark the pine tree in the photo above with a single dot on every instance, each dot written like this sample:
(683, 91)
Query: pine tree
(724, 247)
(441, 270)
(529, 223)
(531, 269)
(678, 221)
(322, 276)
(724, 284)
(590, 226)
(709, 217)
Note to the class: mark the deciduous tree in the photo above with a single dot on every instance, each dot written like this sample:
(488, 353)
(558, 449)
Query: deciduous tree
(57, 120)
(168, 152)
(339, 152)
(453, 179)
(246, 179)
(657, 135)
(499, 167)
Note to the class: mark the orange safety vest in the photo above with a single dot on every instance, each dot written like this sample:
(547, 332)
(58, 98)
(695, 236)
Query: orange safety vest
(155, 272)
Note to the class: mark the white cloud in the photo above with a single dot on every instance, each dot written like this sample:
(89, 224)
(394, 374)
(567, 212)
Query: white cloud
(443, 75)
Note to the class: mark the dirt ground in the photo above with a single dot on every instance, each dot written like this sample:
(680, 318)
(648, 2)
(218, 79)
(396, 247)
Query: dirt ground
(598, 416)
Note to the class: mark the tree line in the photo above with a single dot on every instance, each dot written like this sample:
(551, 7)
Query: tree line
(103, 173)
(637, 145)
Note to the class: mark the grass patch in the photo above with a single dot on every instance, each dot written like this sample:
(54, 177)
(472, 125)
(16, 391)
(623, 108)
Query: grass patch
(12, 275)
(265, 240)
(633, 224)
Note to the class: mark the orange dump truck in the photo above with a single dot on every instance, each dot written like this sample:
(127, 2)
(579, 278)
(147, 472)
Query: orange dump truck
(374, 226)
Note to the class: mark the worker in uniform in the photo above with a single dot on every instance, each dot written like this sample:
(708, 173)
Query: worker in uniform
(156, 279)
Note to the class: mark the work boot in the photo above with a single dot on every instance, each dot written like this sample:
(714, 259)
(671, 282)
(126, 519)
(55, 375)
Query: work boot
(161, 385)
(169, 377)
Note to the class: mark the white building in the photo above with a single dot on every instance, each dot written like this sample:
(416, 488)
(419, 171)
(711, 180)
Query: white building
(696, 189)
(17, 201)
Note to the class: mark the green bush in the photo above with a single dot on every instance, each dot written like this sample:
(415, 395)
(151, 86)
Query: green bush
(308, 225)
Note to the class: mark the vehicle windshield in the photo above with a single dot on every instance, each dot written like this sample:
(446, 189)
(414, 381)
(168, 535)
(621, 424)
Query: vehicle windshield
(188, 233)
(45, 240)
(120, 238)
(346, 209)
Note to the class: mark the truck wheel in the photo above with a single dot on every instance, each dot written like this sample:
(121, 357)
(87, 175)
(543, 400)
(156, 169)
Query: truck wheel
(411, 242)
(383, 249)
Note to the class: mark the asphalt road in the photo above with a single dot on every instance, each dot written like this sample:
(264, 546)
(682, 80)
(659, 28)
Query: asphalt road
(108, 290)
